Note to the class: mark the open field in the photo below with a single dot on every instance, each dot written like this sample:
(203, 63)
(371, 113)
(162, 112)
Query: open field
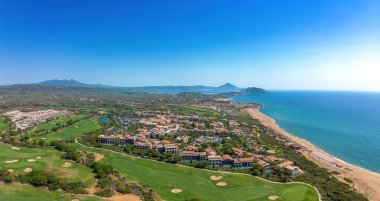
(3, 125)
(57, 122)
(45, 159)
(22, 192)
(74, 131)
(187, 183)
(190, 110)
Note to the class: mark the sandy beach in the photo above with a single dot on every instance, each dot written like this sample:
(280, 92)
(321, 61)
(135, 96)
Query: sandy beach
(364, 181)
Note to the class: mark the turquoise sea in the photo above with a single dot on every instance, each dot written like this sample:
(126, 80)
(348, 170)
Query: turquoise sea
(344, 124)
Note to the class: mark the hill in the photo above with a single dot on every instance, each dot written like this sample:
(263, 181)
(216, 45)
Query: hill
(225, 88)
(62, 83)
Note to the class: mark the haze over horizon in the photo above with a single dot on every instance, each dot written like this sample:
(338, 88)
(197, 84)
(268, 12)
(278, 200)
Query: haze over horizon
(299, 45)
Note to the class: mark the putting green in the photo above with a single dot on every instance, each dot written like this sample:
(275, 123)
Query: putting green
(50, 161)
(195, 183)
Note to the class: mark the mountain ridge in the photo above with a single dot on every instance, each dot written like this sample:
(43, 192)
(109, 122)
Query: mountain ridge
(225, 88)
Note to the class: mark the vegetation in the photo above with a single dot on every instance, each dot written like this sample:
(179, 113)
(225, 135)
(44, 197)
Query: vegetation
(190, 110)
(162, 178)
(74, 131)
(22, 192)
(3, 125)
(50, 162)
(57, 124)
(329, 187)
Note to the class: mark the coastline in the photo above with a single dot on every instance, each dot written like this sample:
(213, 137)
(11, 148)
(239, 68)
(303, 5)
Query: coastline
(364, 181)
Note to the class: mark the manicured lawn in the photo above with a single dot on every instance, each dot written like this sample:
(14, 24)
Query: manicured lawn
(61, 122)
(3, 125)
(23, 192)
(50, 162)
(190, 110)
(74, 131)
(195, 183)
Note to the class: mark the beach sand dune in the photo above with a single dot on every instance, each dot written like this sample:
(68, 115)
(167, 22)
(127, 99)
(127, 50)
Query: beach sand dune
(365, 181)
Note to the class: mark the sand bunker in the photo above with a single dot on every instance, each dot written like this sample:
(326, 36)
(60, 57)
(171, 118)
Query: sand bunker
(221, 184)
(15, 148)
(273, 197)
(31, 160)
(12, 161)
(11, 170)
(176, 190)
(38, 157)
(66, 165)
(216, 178)
(98, 156)
(129, 197)
(27, 170)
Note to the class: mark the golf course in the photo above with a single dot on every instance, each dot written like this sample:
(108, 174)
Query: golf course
(167, 180)
(3, 125)
(61, 122)
(23, 192)
(73, 131)
(22, 159)
(171, 182)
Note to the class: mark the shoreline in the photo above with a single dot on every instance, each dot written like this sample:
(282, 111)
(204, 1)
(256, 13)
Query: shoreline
(364, 181)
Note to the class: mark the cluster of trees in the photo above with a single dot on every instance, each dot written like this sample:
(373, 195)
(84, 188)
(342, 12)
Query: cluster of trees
(110, 182)
(40, 178)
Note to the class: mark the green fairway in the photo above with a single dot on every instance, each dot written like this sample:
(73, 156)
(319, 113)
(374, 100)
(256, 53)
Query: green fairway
(55, 123)
(195, 183)
(190, 110)
(50, 161)
(23, 192)
(3, 125)
(74, 131)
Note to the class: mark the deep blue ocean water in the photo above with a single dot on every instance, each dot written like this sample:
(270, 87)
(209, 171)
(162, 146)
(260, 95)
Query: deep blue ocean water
(344, 124)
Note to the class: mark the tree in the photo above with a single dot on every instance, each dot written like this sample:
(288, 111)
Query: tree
(9, 177)
(41, 142)
(128, 148)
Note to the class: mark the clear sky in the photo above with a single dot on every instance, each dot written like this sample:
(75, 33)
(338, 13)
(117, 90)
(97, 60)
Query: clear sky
(278, 44)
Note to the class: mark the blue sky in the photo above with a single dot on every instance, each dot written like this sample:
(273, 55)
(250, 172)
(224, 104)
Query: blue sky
(315, 44)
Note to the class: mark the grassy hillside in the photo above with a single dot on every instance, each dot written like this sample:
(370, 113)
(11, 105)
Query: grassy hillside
(50, 161)
(61, 122)
(3, 125)
(23, 192)
(74, 131)
(196, 183)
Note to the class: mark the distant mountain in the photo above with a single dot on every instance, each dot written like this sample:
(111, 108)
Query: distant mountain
(228, 87)
(254, 90)
(225, 88)
(70, 83)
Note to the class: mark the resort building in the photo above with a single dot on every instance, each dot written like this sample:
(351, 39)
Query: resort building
(214, 161)
(243, 162)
